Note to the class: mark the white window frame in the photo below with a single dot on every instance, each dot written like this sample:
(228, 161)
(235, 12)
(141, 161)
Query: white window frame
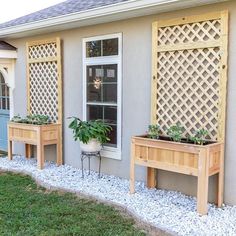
(109, 152)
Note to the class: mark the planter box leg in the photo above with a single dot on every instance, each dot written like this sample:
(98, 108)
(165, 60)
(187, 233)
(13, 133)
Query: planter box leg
(9, 150)
(203, 179)
(59, 153)
(151, 177)
(221, 178)
(28, 151)
(40, 156)
(132, 169)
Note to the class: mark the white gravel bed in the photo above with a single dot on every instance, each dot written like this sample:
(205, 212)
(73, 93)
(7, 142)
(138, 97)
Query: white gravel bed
(168, 210)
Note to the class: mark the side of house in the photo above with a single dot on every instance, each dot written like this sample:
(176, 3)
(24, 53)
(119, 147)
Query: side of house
(128, 64)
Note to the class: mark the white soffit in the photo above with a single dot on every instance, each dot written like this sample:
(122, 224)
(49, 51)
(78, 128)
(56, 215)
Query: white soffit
(109, 13)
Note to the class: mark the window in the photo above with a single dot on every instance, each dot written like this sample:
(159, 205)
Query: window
(102, 86)
(4, 95)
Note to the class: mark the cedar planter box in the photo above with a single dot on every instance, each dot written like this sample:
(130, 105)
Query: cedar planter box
(39, 135)
(201, 161)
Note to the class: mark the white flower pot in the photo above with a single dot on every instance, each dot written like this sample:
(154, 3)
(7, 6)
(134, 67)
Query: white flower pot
(92, 146)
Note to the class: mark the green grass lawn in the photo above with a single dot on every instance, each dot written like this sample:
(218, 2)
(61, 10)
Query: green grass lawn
(26, 209)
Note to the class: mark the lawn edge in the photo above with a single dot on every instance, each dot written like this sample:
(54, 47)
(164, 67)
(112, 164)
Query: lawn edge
(150, 228)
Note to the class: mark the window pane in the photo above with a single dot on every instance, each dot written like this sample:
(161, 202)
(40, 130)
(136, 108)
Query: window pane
(7, 91)
(110, 73)
(93, 72)
(102, 83)
(106, 73)
(3, 90)
(94, 93)
(113, 137)
(110, 47)
(110, 115)
(107, 47)
(93, 49)
(1, 79)
(8, 104)
(4, 104)
(94, 112)
(110, 93)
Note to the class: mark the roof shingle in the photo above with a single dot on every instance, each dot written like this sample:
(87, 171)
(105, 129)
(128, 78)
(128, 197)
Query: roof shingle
(64, 8)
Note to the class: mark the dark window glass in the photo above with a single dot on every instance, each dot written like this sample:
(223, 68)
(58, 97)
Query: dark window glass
(110, 73)
(113, 137)
(102, 83)
(94, 93)
(93, 48)
(102, 90)
(4, 103)
(110, 93)
(93, 72)
(4, 94)
(8, 104)
(94, 112)
(110, 47)
(3, 90)
(98, 48)
(7, 91)
(110, 114)
(1, 79)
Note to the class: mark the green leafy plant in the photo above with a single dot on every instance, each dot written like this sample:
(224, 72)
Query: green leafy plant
(35, 119)
(153, 131)
(87, 130)
(199, 137)
(175, 132)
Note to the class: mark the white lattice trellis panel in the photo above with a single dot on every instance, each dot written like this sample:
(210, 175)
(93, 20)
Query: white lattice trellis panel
(44, 50)
(189, 82)
(188, 89)
(188, 33)
(44, 79)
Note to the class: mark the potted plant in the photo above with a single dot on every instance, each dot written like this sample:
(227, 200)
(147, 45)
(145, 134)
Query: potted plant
(92, 134)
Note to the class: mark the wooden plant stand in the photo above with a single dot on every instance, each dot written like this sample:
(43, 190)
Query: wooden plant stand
(189, 159)
(39, 135)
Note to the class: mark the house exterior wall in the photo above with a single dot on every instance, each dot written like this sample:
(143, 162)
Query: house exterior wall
(136, 95)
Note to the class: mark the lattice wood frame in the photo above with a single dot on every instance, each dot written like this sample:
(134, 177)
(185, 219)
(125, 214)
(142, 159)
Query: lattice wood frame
(194, 39)
(44, 76)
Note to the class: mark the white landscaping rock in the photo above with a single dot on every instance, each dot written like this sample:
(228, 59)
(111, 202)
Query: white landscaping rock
(168, 210)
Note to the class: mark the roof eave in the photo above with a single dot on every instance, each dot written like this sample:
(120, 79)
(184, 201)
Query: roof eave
(101, 15)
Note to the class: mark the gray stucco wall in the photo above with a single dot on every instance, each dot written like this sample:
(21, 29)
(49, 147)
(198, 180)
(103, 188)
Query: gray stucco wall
(136, 108)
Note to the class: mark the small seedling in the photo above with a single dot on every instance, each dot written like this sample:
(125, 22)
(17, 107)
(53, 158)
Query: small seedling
(175, 132)
(199, 137)
(153, 131)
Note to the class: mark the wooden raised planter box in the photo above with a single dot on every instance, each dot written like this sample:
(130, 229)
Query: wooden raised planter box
(39, 135)
(201, 161)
